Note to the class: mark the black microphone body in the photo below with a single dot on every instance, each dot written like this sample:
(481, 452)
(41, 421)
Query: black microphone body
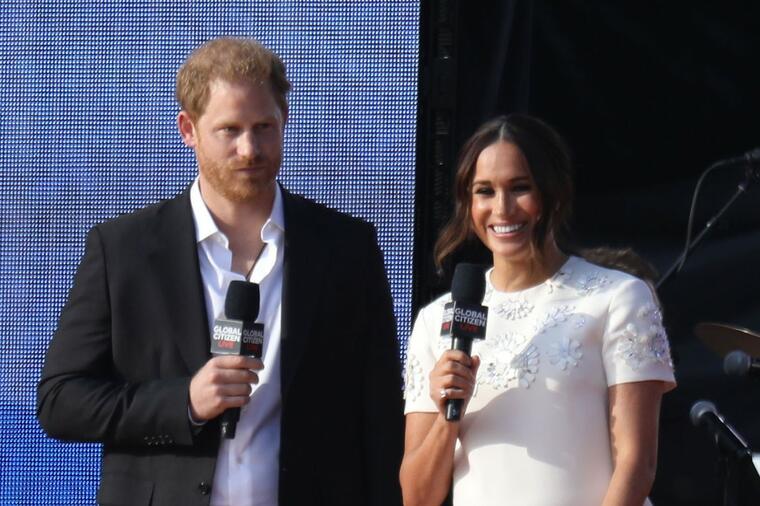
(238, 334)
(728, 441)
(464, 319)
(738, 363)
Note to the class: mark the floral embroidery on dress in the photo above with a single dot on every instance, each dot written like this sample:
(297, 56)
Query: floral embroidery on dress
(639, 348)
(554, 317)
(513, 309)
(496, 353)
(525, 366)
(559, 280)
(508, 358)
(494, 374)
(565, 353)
(591, 282)
(651, 313)
(414, 380)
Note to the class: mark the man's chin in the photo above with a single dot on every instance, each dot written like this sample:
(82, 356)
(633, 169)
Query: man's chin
(247, 193)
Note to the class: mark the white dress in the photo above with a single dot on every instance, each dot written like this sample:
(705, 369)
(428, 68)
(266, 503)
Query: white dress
(535, 432)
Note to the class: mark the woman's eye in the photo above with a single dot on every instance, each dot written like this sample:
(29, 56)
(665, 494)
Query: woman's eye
(483, 190)
(521, 188)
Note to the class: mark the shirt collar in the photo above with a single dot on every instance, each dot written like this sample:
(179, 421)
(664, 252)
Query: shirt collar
(205, 226)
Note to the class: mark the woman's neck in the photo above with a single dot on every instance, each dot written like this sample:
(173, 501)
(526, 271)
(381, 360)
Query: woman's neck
(511, 274)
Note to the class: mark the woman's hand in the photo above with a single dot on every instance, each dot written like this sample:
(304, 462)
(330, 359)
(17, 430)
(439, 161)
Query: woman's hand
(453, 377)
(428, 463)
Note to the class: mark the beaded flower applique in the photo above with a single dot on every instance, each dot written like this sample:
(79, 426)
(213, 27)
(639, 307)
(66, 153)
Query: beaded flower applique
(508, 358)
(565, 353)
(554, 317)
(589, 283)
(414, 379)
(646, 343)
(513, 309)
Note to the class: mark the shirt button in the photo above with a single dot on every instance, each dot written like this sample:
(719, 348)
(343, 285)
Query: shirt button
(204, 488)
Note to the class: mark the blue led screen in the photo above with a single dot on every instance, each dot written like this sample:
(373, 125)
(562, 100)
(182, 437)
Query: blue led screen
(87, 132)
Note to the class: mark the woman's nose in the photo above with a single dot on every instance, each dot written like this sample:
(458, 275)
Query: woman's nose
(504, 204)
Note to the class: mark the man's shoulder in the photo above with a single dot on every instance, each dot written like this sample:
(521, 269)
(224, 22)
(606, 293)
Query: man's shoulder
(308, 210)
(140, 219)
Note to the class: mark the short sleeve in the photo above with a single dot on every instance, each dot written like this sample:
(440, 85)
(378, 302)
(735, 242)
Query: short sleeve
(635, 346)
(421, 356)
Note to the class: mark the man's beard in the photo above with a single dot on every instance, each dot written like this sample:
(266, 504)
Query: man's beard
(222, 178)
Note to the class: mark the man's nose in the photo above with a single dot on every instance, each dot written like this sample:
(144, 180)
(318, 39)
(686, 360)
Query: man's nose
(248, 145)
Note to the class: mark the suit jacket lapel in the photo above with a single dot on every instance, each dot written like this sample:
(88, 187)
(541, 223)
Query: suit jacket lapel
(303, 270)
(175, 260)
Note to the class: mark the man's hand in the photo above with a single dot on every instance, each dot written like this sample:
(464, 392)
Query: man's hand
(223, 382)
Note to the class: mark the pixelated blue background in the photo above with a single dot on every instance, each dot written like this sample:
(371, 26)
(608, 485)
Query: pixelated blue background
(87, 132)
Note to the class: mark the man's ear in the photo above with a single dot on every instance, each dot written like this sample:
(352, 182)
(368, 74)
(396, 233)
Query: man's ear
(186, 129)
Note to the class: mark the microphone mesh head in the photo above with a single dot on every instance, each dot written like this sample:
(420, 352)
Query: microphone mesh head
(736, 363)
(699, 409)
(753, 156)
(242, 302)
(469, 283)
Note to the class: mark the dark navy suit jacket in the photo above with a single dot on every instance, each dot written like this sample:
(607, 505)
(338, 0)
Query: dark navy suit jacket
(134, 331)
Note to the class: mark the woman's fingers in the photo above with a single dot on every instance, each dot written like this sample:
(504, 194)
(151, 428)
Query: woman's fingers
(453, 377)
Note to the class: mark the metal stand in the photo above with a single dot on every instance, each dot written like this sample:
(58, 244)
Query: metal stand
(740, 481)
(741, 189)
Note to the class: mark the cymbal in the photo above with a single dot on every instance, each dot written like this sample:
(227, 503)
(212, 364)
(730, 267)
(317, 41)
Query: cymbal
(723, 338)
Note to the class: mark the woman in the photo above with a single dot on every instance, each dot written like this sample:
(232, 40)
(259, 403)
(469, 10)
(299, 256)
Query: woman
(562, 397)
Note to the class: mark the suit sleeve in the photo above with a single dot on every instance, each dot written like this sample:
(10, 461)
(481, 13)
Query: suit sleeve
(82, 395)
(382, 396)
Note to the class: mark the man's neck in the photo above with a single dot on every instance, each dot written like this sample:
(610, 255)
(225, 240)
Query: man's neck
(241, 222)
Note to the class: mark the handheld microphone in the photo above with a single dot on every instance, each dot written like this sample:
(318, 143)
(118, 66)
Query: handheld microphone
(738, 363)
(238, 334)
(464, 318)
(726, 438)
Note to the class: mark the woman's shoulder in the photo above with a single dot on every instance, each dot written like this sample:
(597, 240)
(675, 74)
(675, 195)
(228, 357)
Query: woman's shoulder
(435, 307)
(589, 278)
(589, 268)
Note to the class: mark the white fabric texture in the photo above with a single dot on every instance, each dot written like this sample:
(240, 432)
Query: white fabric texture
(536, 430)
(247, 468)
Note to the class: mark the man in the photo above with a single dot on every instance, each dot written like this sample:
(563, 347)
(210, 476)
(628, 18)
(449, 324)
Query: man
(129, 366)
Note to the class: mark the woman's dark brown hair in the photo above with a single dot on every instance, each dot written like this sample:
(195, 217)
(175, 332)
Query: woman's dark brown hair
(550, 166)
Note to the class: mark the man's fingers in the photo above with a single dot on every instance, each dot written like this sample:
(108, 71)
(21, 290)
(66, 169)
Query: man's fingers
(236, 362)
(234, 376)
(233, 390)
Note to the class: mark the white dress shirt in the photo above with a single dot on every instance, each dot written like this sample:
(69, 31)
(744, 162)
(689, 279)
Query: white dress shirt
(247, 466)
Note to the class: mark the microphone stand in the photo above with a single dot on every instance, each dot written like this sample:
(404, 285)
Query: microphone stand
(740, 485)
(751, 173)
